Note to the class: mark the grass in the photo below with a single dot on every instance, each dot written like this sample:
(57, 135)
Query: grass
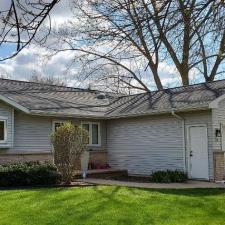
(112, 205)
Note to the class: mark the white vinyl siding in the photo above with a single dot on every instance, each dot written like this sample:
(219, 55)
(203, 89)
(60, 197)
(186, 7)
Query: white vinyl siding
(147, 144)
(32, 133)
(218, 121)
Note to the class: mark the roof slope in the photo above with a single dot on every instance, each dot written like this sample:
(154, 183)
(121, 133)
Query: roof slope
(181, 99)
(66, 101)
(51, 99)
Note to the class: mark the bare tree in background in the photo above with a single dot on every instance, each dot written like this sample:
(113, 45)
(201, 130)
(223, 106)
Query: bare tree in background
(20, 22)
(193, 32)
(124, 41)
(112, 43)
(51, 80)
(5, 76)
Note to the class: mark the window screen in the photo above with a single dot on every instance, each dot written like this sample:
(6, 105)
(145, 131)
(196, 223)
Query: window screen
(2, 130)
(93, 131)
(95, 134)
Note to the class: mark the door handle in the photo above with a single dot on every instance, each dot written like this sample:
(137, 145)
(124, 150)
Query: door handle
(191, 153)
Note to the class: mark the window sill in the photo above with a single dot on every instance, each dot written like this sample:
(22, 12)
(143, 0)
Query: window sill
(5, 145)
(98, 151)
(94, 146)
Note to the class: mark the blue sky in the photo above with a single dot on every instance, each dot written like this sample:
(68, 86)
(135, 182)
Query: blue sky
(6, 50)
(30, 61)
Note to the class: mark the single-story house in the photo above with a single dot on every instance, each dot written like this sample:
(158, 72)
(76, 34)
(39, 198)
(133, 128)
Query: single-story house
(179, 128)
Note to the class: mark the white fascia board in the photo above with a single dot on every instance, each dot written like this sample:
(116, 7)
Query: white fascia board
(215, 103)
(14, 104)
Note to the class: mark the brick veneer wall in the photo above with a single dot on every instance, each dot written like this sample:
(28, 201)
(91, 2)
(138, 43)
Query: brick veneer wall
(99, 157)
(24, 157)
(219, 166)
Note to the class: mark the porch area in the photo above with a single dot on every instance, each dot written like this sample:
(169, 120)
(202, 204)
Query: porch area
(103, 173)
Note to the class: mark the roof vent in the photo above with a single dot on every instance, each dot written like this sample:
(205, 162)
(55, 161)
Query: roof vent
(101, 96)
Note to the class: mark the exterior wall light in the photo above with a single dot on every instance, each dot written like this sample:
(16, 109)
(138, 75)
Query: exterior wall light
(218, 133)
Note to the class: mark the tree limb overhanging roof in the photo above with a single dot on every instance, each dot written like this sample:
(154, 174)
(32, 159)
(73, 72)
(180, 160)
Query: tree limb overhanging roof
(43, 99)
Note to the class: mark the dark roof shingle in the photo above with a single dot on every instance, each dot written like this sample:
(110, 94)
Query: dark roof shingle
(67, 101)
(181, 98)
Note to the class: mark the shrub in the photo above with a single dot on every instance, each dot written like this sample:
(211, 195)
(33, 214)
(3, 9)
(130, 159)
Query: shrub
(28, 174)
(169, 176)
(69, 143)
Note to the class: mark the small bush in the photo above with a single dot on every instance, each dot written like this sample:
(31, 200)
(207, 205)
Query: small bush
(69, 143)
(169, 176)
(28, 174)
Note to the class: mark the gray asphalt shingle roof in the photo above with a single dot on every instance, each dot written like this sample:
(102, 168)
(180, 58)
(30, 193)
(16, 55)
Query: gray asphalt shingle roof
(65, 101)
(39, 98)
(181, 98)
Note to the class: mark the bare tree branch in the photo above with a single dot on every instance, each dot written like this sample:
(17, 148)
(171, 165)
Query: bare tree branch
(21, 22)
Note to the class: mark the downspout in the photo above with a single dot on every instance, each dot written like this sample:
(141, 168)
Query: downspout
(184, 137)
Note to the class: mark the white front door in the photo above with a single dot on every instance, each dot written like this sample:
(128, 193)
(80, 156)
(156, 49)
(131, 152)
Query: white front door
(198, 152)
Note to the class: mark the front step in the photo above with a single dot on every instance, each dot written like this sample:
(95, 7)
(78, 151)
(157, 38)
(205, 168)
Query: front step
(104, 173)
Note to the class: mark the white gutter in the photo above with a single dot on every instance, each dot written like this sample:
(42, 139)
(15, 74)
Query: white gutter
(184, 136)
(14, 104)
(153, 113)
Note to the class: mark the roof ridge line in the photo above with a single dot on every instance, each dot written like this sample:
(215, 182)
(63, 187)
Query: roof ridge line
(177, 87)
(54, 85)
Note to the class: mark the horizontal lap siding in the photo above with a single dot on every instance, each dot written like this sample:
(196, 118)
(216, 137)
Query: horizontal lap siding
(6, 111)
(218, 119)
(144, 145)
(32, 133)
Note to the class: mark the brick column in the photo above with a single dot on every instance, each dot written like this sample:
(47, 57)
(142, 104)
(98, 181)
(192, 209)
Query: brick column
(219, 166)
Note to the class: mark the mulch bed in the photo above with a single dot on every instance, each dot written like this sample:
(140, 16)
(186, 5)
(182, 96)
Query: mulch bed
(73, 184)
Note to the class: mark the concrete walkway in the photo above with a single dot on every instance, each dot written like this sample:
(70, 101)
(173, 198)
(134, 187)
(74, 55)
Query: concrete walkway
(189, 184)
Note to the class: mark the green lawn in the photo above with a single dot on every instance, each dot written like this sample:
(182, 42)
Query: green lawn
(111, 205)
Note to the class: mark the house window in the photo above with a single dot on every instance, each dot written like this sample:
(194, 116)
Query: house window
(3, 130)
(93, 129)
(57, 124)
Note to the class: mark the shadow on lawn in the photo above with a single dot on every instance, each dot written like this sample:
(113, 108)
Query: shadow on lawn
(195, 192)
(113, 204)
(166, 203)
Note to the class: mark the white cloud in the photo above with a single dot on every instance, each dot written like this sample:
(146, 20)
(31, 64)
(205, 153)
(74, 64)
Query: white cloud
(33, 59)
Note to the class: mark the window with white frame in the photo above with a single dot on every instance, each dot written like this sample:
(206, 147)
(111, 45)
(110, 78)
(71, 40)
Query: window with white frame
(3, 130)
(93, 129)
(57, 124)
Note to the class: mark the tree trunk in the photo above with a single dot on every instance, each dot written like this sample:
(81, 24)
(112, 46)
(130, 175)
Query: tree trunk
(184, 76)
(157, 80)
